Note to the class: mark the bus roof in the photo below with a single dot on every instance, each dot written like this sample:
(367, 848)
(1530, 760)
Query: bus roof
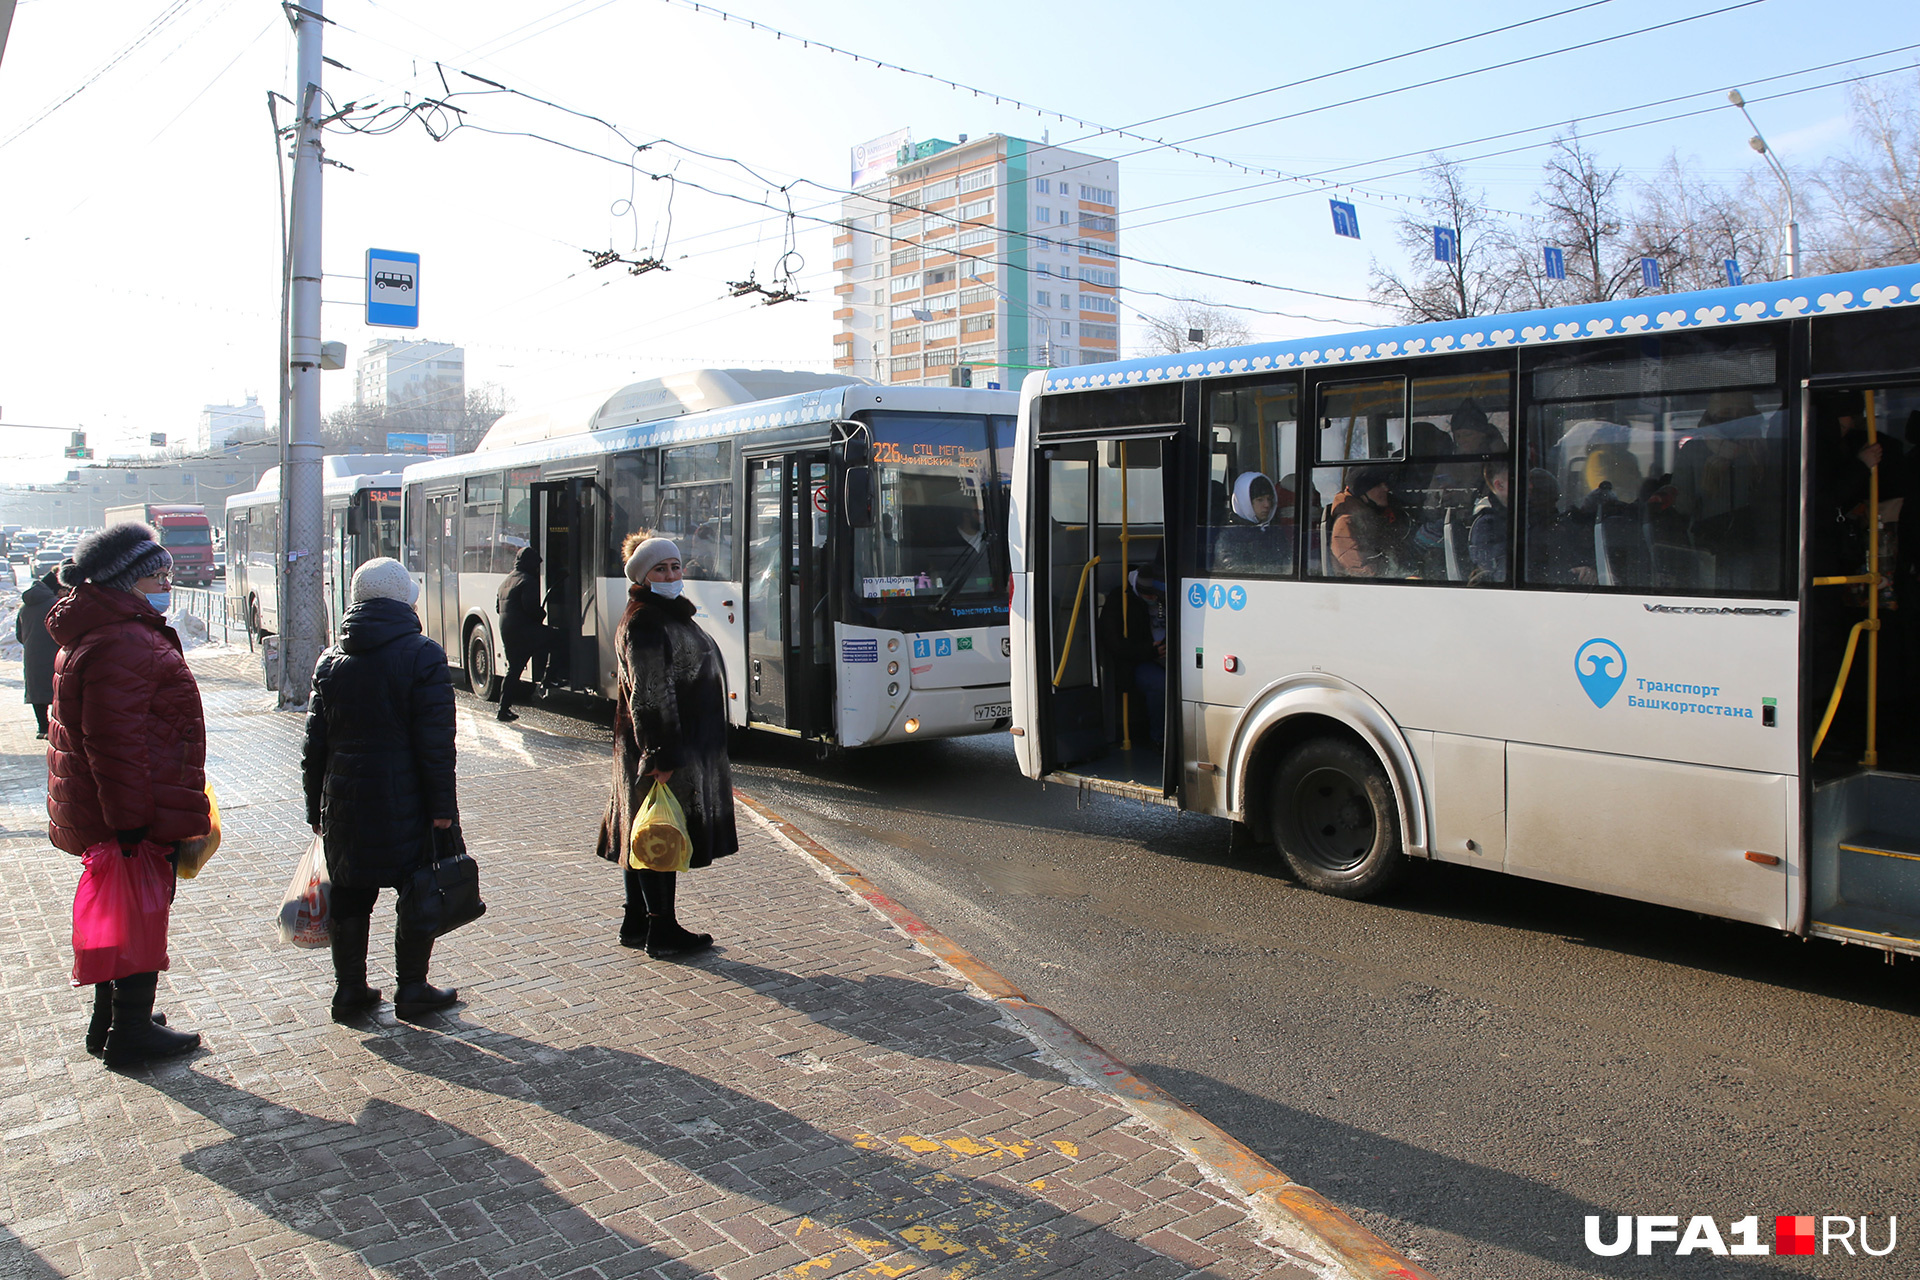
(672, 395)
(1660, 313)
(340, 473)
(820, 407)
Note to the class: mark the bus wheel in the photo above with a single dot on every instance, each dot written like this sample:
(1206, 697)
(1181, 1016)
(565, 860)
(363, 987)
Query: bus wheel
(481, 677)
(1334, 819)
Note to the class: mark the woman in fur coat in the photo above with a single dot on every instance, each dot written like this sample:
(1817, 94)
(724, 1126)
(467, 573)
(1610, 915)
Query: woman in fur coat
(671, 727)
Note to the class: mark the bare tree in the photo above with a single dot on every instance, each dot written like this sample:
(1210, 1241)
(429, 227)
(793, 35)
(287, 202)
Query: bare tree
(1874, 194)
(1691, 227)
(1480, 279)
(1167, 330)
(1580, 208)
(359, 428)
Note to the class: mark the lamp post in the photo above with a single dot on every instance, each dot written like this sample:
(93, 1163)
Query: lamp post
(1759, 144)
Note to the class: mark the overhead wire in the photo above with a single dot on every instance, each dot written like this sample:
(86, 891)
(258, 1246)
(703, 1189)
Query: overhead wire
(168, 16)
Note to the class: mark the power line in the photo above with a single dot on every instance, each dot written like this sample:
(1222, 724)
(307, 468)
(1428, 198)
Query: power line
(166, 17)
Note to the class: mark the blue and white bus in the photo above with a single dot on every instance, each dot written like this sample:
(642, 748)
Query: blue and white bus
(1610, 596)
(843, 543)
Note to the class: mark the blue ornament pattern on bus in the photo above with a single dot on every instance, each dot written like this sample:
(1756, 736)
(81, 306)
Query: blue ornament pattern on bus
(1661, 313)
(1601, 666)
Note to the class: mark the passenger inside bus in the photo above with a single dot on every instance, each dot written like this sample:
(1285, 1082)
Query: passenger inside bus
(1559, 543)
(1133, 647)
(1258, 537)
(1487, 537)
(1368, 536)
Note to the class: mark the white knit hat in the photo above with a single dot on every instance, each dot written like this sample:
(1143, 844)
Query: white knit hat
(648, 554)
(384, 579)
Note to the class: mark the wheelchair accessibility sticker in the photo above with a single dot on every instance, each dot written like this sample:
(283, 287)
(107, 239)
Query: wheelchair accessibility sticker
(1200, 596)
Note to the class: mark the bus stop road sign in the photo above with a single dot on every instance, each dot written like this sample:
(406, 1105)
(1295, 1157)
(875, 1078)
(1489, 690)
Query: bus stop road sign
(393, 289)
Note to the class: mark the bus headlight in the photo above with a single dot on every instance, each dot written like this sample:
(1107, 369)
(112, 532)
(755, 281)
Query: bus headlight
(893, 644)
(913, 726)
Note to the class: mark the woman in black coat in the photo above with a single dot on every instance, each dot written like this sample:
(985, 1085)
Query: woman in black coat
(523, 626)
(379, 770)
(670, 726)
(30, 629)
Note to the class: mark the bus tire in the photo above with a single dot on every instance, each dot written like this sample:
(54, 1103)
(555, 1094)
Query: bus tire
(1334, 819)
(481, 677)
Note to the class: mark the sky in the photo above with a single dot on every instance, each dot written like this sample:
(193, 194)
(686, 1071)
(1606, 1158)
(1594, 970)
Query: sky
(140, 197)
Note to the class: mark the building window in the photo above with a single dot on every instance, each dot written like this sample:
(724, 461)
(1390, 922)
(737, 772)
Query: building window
(941, 359)
(938, 191)
(1066, 302)
(1066, 328)
(1042, 214)
(1100, 276)
(905, 258)
(943, 329)
(1041, 298)
(1097, 195)
(976, 324)
(1095, 222)
(1105, 332)
(907, 283)
(977, 355)
(975, 236)
(879, 271)
(969, 297)
(905, 364)
(1044, 186)
(1099, 302)
(977, 209)
(977, 179)
(937, 277)
(1094, 249)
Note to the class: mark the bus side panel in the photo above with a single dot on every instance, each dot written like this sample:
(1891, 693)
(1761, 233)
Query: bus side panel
(716, 609)
(1655, 830)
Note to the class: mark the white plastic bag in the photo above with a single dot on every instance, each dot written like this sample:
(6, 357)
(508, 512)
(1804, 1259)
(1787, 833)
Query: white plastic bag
(306, 917)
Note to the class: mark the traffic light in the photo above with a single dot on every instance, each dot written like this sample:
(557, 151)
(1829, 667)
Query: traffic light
(960, 376)
(77, 446)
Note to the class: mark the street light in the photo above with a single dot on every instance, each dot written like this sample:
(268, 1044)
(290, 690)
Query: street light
(1759, 144)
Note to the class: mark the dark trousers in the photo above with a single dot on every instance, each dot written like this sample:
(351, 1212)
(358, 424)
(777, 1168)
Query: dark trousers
(517, 662)
(348, 903)
(40, 714)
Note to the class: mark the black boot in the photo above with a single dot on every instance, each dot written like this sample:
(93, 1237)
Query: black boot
(352, 997)
(633, 929)
(135, 1037)
(413, 997)
(103, 1018)
(666, 940)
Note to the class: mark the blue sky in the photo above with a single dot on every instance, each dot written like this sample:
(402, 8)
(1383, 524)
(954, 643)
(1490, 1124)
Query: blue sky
(138, 231)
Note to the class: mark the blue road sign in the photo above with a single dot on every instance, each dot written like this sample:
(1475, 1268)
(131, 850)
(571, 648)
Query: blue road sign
(1346, 219)
(1556, 262)
(1733, 274)
(1650, 272)
(1446, 244)
(393, 289)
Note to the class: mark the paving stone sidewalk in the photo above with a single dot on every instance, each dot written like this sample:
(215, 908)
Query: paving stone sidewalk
(817, 1098)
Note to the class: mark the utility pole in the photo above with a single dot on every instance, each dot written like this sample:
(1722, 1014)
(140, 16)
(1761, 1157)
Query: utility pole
(302, 605)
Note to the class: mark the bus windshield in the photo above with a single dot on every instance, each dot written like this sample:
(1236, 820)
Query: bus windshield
(937, 539)
(186, 535)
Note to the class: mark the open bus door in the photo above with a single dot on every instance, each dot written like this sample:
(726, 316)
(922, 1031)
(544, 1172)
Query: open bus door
(789, 679)
(1861, 642)
(567, 529)
(1104, 515)
(440, 553)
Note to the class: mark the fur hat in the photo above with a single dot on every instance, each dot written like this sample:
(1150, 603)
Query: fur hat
(648, 554)
(117, 557)
(383, 579)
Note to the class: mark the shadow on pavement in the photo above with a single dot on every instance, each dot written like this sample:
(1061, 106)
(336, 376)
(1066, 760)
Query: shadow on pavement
(17, 1259)
(902, 1014)
(1370, 1176)
(753, 1148)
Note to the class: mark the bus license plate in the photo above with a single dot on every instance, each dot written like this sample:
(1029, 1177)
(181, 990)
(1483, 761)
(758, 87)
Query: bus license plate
(993, 711)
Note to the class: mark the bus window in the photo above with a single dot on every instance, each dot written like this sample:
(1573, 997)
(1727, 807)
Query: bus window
(633, 499)
(1363, 421)
(480, 524)
(1251, 480)
(516, 521)
(933, 539)
(383, 526)
(1661, 468)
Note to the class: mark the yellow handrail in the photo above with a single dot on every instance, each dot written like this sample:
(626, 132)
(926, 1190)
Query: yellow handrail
(1840, 685)
(1126, 563)
(1073, 621)
(1870, 758)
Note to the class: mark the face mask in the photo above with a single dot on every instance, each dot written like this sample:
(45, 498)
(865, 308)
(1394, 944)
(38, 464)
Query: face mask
(670, 590)
(160, 601)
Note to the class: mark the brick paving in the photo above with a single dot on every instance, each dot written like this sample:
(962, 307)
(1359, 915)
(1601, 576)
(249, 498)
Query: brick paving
(817, 1098)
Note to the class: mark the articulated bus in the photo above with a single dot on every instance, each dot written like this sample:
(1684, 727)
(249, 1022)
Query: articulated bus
(1610, 596)
(361, 496)
(842, 543)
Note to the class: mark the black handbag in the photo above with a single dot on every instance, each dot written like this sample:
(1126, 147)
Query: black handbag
(445, 893)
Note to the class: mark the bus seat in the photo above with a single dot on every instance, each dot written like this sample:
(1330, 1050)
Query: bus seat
(1450, 543)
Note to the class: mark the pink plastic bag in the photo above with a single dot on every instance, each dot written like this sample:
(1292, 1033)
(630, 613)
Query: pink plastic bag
(120, 913)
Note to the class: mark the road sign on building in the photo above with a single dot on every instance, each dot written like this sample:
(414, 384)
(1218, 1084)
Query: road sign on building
(393, 289)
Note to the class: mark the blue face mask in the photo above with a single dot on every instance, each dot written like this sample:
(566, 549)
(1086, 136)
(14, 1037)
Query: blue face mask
(160, 601)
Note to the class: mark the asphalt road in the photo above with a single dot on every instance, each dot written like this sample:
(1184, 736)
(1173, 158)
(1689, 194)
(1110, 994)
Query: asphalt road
(1470, 1066)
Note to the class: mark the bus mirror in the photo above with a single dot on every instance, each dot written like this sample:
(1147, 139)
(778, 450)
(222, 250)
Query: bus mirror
(353, 523)
(859, 497)
(854, 441)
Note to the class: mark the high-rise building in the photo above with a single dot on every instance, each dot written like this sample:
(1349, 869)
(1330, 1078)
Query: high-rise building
(403, 374)
(222, 424)
(997, 254)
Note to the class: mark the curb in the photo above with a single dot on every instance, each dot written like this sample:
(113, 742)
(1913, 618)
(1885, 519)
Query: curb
(1359, 1252)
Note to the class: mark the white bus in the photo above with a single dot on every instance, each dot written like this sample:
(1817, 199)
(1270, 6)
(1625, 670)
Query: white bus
(361, 496)
(1623, 678)
(842, 544)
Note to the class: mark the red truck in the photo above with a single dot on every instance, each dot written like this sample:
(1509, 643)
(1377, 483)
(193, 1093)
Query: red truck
(184, 531)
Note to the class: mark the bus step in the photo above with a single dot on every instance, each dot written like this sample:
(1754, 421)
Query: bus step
(1871, 928)
(1883, 844)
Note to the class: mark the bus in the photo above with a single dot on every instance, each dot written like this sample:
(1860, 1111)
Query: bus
(360, 493)
(1610, 596)
(842, 543)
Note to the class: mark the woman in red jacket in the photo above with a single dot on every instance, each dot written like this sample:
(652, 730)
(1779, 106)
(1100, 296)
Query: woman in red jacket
(127, 749)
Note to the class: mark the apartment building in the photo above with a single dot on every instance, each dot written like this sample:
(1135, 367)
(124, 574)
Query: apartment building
(997, 254)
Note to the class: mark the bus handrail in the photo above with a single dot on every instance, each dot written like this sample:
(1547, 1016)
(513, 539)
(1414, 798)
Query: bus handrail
(1870, 758)
(1073, 621)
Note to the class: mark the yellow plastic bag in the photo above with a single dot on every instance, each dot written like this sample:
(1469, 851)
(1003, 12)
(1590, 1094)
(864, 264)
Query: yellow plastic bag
(659, 841)
(193, 854)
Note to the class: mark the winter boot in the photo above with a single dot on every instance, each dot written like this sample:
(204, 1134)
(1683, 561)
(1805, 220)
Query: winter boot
(633, 929)
(413, 997)
(666, 940)
(352, 997)
(103, 1018)
(135, 1037)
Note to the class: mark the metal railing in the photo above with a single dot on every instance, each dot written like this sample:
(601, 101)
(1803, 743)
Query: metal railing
(212, 608)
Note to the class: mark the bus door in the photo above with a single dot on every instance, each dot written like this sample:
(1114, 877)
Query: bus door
(337, 572)
(1108, 690)
(567, 520)
(789, 679)
(440, 548)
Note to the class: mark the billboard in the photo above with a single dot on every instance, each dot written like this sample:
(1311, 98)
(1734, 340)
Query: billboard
(419, 442)
(871, 160)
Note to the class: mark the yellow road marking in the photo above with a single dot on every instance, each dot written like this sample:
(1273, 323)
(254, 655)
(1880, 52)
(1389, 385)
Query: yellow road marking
(824, 1261)
(882, 1269)
(924, 1146)
(968, 1147)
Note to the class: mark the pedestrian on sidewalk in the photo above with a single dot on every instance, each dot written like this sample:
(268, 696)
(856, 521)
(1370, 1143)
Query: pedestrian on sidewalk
(523, 626)
(30, 629)
(670, 726)
(127, 746)
(379, 770)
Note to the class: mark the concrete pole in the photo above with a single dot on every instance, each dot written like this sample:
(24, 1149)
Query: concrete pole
(302, 605)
